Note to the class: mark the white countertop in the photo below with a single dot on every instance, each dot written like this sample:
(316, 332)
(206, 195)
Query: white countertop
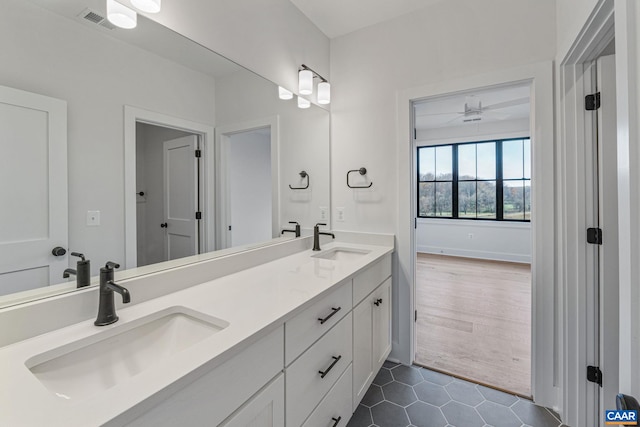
(253, 301)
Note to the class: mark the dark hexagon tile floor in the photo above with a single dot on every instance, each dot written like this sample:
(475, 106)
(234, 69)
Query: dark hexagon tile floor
(408, 396)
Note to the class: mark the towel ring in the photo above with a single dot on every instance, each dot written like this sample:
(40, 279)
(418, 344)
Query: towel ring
(361, 171)
(303, 175)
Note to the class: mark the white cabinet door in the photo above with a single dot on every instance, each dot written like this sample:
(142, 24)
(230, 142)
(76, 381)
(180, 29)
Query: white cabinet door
(265, 409)
(382, 323)
(33, 190)
(363, 363)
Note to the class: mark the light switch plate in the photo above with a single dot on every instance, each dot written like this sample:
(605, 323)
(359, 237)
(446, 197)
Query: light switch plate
(340, 214)
(93, 218)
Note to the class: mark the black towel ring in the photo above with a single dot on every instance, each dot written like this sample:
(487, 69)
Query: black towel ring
(303, 175)
(361, 171)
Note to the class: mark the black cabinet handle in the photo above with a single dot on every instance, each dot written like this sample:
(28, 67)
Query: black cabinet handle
(337, 420)
(335, 360)
(163, 225)
(378, 301)
(334, 311)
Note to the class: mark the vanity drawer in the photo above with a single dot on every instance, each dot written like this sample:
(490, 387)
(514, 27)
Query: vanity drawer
(365, 282)
(335, 409)
(305, 386)
(304, 329)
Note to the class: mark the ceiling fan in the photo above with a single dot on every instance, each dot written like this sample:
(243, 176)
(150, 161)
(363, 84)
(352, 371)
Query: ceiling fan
(474, 111)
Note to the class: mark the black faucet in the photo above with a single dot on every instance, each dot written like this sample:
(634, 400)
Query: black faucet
(297, 229)
(82, 271)
(106, 307)
(316, 236)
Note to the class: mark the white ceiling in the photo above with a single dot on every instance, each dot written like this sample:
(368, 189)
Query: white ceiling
(498, 104)
(338, 17)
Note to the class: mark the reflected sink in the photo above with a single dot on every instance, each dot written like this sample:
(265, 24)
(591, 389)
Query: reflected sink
(97, 363)
(342, 254)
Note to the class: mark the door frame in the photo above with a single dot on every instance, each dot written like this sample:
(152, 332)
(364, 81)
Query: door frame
(545, 310)
(223, 138)
(134, 115)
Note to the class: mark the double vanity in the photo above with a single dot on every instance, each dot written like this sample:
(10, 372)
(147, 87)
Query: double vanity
(293, 338)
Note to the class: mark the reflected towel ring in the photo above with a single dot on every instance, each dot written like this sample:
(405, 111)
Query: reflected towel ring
(361, 171)
(303, 175)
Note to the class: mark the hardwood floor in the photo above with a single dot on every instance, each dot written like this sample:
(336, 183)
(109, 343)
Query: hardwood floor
(474, 320)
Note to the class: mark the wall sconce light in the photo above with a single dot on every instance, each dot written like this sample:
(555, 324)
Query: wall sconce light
(303, 103)
(324, 93)
(305, 84)
(149, 6)
(121, 15)
(284, 93)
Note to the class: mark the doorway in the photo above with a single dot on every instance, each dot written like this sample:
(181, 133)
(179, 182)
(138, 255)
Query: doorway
(251, 193)
(197, 135)
(473, 236)
(168, 199)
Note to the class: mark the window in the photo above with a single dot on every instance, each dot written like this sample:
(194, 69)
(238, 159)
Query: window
(479, 180)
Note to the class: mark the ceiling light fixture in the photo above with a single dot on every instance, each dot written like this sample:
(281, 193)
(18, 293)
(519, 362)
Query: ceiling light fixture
(149, 6)
(121, 15)
(284, 93)
(305, 84)
(303, 103)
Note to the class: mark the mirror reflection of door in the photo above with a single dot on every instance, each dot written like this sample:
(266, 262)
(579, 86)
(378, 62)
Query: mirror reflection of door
(168, 188)
(250, 187)
(33, 190)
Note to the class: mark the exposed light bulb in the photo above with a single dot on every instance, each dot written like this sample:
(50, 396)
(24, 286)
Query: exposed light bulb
(303, 103)
(305, 82)
(149, 6)
(324, 93)
(284, 94)
(121, 15)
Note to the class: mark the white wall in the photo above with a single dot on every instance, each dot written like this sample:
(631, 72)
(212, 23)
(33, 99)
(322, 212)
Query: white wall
(271, 37)
(250, 187)
(571, 15)
(97, 76)
(448, 40)
(508, 241)
(150, 179)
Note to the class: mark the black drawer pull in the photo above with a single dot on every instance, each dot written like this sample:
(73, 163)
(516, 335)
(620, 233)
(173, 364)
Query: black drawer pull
(335, 360)
(337, 420)
(378, 301)
(334, 311)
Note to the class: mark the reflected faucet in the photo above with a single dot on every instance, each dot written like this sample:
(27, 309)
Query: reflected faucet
(106, 308)
(296, 230)
(316, 236)
(82, 271)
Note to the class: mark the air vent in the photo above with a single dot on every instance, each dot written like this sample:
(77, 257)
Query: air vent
(96, 18)
(476, 119)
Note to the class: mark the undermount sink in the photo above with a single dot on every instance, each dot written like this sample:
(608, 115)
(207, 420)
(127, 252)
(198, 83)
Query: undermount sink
(342, 254)
(97, 363)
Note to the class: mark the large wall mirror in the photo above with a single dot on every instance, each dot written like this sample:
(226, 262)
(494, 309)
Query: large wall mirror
(139, 147)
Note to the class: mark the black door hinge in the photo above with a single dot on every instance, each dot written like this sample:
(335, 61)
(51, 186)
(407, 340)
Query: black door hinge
(198, 153)
(415, 223)
(415, 316)
(594, 375)
(592, 102)
(229, 228)
(415, 133)
(198, 215)
(594, 236)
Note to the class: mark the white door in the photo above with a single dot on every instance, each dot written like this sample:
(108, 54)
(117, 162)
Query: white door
(181, 196)
(33, 190)
(608, 221)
